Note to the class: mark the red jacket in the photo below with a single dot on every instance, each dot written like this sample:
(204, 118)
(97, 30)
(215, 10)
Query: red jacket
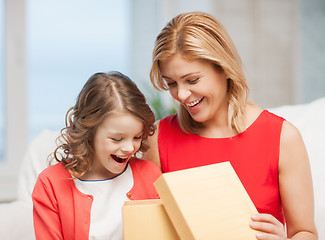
(61, 211)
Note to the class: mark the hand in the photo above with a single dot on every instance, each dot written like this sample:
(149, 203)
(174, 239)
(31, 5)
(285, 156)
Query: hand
(268, 227)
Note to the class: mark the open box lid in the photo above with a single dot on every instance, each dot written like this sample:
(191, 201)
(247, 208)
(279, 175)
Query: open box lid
(207, 202)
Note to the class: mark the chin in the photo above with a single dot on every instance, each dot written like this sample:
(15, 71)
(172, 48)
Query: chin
(199, 118)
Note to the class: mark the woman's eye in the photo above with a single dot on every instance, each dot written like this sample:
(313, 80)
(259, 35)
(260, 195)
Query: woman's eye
(171, 83)
(192, 81)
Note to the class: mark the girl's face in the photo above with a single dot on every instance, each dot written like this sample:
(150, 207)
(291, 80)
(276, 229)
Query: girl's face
(198, 86)
(116, 140)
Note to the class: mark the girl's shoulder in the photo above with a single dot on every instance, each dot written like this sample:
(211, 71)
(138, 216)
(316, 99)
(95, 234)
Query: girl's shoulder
(53, 171)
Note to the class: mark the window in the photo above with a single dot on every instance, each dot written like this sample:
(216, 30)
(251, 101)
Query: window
(312, 49)
(2, 85)
(67, 41)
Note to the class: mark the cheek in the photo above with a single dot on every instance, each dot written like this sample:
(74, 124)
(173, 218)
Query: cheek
(137, 146)
(173, 92)
(105, 147)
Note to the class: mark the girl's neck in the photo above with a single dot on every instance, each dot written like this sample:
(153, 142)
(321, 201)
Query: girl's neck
(93, 175)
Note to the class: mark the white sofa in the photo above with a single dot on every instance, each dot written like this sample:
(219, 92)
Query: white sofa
(16, 217)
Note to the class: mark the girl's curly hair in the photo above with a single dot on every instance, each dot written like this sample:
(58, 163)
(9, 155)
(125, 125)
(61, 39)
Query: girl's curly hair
(102, 94)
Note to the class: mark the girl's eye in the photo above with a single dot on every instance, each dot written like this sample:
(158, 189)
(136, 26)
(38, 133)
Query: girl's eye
(138, 138)
(116, 139)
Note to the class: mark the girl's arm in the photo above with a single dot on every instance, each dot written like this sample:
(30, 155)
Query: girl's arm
(152, 154)
(296, 190)
(47, 224)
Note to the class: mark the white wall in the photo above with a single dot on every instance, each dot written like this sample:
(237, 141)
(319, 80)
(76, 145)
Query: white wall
(267, 34)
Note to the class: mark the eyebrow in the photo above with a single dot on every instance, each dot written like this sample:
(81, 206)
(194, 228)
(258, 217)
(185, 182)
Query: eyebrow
(184, 76)
(123, 133)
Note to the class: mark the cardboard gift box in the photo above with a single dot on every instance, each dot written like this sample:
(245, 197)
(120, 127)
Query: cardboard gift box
(147, 220)
(200, 203)
(207, 202)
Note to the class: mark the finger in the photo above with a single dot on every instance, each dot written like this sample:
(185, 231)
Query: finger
(268, 230)
(263, 217)
(268, 236)
(267, 227)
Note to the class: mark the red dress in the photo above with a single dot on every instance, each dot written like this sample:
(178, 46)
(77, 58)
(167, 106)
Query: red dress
(254, 154)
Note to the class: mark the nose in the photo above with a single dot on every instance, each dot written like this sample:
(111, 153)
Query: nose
(128, 147)
(183, 93)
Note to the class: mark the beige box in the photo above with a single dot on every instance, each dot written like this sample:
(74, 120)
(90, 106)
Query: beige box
(147, 220)
(207, 202)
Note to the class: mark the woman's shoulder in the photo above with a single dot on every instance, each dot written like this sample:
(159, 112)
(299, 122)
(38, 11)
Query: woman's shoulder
(170, 119)
(143, 164)
(290, 135)
(142, 167)
(254, 113)
(170, 124)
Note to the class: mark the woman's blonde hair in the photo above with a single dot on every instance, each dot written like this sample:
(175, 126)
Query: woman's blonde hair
(102, 94)
(199, 36)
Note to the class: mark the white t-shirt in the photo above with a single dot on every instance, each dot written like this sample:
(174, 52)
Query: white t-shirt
(109, 197)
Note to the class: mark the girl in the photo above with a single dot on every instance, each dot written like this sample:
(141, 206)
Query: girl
(81, 196)
(196, 61)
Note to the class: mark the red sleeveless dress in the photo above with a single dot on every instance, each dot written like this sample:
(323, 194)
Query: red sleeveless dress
(254, 155)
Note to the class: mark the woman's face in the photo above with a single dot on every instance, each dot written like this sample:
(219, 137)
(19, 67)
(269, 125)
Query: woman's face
(117, 138)
(198, 86)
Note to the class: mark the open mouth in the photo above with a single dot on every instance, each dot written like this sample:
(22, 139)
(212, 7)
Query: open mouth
(119, 159)
(194, 103)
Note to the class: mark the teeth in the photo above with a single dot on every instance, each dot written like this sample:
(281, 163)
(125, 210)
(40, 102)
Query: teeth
(192, 104)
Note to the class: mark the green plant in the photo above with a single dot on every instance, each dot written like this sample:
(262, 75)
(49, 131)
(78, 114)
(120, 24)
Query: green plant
(157, 102)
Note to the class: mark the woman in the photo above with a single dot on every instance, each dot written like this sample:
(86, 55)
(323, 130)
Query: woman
(196, 61)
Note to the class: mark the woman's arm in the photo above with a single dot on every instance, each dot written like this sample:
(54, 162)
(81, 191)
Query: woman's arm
(152, 154)
(296, 190)
(296, 185)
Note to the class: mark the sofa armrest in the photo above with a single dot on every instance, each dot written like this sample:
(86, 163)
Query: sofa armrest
(310, 121)
(16, 221)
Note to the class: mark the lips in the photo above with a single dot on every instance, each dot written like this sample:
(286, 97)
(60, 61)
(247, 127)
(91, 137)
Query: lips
(119, 159)
(194, 103)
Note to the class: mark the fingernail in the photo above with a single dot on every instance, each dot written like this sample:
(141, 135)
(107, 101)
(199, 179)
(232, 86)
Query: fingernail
(259, 235)
(253, 224)
(254, 216)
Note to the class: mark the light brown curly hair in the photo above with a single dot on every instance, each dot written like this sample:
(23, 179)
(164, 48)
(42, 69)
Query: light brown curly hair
(102, 94)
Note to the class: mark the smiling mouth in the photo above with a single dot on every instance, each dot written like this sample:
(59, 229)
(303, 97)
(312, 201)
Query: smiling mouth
(194, 103)
(119, 159)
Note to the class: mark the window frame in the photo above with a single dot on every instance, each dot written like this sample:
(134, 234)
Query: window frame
(16, 98)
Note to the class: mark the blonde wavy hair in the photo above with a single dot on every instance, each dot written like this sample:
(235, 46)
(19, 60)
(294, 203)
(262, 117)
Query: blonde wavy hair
(199, 36)
(102, 94)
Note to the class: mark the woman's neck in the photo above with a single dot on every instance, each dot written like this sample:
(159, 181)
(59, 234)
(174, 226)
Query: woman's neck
(218, 127)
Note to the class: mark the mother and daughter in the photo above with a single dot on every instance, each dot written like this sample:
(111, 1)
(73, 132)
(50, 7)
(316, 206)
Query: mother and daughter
(195, 60)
